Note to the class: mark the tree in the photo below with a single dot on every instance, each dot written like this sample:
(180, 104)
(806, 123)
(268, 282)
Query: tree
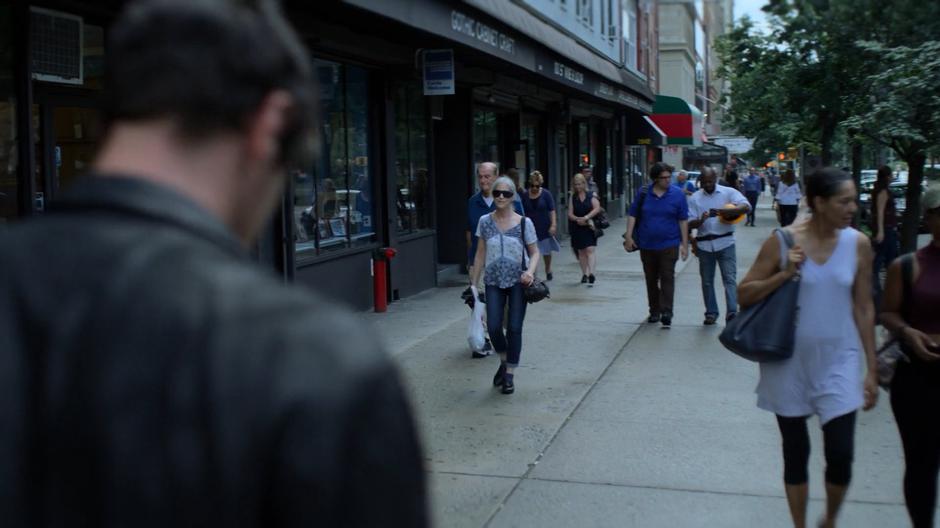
(904, 114)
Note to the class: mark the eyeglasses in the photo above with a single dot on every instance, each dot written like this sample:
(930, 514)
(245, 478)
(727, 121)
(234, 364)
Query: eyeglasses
(504, 194)
(664, 177)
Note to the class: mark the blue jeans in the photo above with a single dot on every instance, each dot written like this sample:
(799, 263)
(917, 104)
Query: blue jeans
(885, 253)
(509, 343)
(727, 261)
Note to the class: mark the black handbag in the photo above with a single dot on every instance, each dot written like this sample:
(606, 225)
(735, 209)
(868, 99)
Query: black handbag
(601, 220)
(538, 290)
(765, 331)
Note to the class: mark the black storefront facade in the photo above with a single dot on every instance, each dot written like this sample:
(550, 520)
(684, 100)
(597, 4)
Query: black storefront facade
(396, 167)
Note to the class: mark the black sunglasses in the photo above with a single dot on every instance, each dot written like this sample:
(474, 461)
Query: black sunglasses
(504, 194)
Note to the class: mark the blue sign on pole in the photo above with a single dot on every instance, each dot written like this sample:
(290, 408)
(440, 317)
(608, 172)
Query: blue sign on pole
(439, 72)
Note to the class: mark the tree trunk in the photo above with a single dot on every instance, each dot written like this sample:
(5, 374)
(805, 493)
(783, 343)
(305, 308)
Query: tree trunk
(825, 140)
(911, 220)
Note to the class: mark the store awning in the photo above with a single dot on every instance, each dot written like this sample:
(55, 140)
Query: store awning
(681, 121)
(641, 130)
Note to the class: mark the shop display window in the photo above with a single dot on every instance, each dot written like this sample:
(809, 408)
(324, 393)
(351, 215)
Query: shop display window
(412, 185)
(485, 138)
(334, 206)
(8, 143)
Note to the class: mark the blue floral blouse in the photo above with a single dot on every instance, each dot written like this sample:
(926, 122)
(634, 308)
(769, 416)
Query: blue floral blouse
(506, 257)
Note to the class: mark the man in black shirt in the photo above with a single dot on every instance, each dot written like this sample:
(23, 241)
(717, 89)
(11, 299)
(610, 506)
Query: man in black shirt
(152, 374)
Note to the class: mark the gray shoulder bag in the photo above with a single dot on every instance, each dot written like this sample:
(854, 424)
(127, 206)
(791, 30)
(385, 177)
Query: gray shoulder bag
(765, 331)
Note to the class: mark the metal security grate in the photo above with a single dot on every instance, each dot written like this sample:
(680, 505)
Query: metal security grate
(56, 42)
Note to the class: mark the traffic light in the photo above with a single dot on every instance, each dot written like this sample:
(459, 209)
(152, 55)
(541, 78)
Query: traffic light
(781, 156)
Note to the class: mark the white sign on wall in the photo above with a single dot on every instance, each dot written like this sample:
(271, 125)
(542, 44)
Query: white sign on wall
(735, 145)
(439, 72)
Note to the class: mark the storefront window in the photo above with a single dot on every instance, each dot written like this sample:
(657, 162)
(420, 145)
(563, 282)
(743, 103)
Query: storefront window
(485, 137)
(333, 200)
(8, 145)
(412, 186)
(530, 134)
(584, 144)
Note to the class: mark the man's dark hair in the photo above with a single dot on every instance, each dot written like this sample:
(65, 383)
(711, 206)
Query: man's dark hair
(824, 183)
(659, 168)
(209, 64)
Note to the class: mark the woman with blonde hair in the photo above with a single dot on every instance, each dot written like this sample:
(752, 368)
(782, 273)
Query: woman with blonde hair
(507, 257)
(582, 207)
(539, 206)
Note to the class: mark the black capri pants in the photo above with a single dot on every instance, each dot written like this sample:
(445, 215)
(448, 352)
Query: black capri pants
(839, 448)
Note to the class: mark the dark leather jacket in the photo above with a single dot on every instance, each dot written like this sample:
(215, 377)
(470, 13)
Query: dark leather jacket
(153, 375)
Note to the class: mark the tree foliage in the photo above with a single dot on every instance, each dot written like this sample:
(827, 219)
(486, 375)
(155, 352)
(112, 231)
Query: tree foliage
(865, 70)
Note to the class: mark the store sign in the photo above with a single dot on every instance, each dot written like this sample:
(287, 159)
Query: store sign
(439, 72)
(735, 145)
(470, 27)
(568, 73)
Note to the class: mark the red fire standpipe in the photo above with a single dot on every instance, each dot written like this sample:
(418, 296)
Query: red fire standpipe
(380, 258)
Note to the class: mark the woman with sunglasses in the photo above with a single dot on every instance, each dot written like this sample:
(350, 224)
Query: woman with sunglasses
(582, 207)
(508, 256)
(915, 389)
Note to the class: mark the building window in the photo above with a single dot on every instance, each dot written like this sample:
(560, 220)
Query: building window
(485, 137)
(412, 195)
(584, 12)
(630, 35)
(8, 144)
(334, 206)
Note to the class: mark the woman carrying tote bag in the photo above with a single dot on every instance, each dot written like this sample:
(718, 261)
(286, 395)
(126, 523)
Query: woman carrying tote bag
(834, 331)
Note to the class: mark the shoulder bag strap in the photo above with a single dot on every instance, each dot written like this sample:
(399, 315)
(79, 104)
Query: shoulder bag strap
(786, 243)
(639, 204)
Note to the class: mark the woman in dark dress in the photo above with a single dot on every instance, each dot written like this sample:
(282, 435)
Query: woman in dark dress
(539, 206)
(915, 389)
(884, 227)
(582, 207)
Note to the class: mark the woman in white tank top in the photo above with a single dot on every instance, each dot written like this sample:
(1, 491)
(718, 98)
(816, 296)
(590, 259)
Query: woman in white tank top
(834, 335)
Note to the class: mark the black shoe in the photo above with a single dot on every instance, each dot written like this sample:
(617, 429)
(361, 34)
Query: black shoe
(666, 320)
(508, 386)
(584, 279)
(498, 379)
(487, 350)
(591, 279)
(710, 320)
(653, 318)
(730, 317)
(548, 276)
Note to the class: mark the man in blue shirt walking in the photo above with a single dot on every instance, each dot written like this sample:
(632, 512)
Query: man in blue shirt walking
(659, 227)
(752, 188)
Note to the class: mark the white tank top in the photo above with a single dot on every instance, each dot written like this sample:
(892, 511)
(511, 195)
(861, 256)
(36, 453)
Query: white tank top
(824, 375)
(788, 194)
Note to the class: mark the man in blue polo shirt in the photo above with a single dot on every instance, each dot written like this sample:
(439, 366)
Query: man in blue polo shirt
(659, 214)
(480, 204)
(752, 188)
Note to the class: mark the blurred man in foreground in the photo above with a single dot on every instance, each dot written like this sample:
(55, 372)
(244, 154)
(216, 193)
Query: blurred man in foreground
(153, 374)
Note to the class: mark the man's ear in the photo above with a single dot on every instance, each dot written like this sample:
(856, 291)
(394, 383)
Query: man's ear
(266, 126)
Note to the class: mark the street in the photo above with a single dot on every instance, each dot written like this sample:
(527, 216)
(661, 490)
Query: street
(615, 422)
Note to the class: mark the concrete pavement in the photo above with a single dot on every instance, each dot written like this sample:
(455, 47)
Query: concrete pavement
(614, 422)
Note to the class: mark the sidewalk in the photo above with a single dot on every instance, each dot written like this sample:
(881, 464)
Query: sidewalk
(614, 422)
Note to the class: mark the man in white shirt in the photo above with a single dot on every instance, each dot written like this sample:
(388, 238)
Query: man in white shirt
(713, 210)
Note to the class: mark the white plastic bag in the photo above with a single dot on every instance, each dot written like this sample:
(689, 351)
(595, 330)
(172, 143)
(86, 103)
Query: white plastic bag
(476, 333)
